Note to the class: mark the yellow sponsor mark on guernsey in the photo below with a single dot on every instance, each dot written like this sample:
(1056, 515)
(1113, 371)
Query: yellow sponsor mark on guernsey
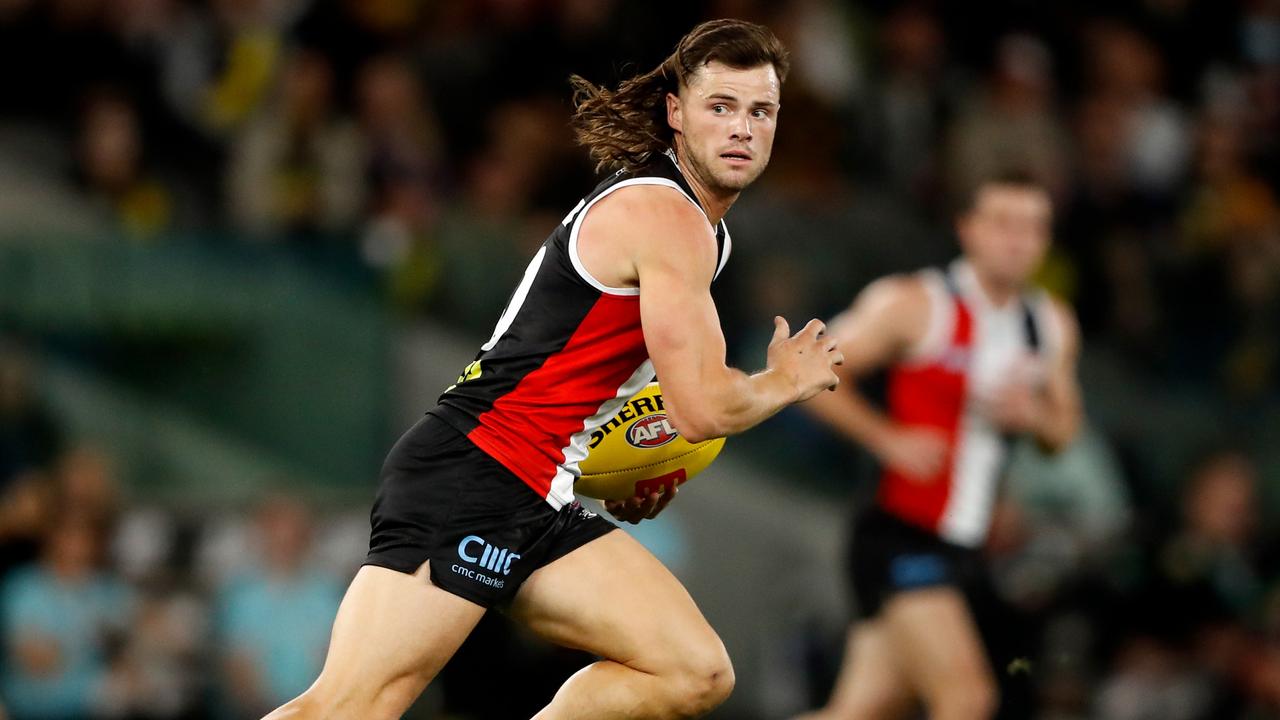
(470, 372)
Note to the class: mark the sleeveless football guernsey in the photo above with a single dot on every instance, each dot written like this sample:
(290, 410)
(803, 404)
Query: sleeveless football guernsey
(969, 350)
(567, 353)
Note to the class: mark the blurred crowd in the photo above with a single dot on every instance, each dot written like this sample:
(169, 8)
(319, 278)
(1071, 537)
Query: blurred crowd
(128, 610)
(116, 606)
(114, 609)
(426, 142)
(420, 147)
(112, 606)
(1134, 615)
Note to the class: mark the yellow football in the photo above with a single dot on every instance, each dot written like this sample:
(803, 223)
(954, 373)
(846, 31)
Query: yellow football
(639, 452)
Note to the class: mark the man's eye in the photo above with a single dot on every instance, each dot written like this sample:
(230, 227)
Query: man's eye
(719, 109)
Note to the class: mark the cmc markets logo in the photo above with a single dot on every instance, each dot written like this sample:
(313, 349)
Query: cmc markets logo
(651, 432)
(473, 549)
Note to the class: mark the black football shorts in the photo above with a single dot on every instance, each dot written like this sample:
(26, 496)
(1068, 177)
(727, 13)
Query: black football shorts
(484, 530)
(889, 556)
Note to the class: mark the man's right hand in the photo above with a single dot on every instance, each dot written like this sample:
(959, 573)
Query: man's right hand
(918, 453)
(807, 358)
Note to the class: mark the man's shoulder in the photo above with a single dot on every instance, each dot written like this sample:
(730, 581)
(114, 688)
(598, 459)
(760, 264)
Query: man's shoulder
(647, 201)
(901, 292)
(1065, 324)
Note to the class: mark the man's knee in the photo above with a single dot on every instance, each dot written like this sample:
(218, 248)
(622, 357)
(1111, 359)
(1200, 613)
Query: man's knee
(701, 681)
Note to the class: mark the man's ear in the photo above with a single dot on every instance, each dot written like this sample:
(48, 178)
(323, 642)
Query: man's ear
(673, 112)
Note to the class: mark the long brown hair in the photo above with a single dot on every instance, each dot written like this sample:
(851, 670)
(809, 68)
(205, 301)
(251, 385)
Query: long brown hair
(624, 128)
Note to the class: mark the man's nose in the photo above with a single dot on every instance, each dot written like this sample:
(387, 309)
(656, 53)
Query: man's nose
(741, 129)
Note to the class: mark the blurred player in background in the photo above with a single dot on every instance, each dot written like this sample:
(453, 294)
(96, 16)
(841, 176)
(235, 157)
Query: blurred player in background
(976, 358)
(476, 506)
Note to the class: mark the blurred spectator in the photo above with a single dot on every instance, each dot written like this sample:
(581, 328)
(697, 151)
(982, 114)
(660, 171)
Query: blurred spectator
(403, 140)
(29, 440)
(162, 660)
(908, 103)
(1059, 516)
(490, 233)
(352, 32)
(87, 485)
(297, 170)
(62, 618)
(29, 437)
(1102, 231)
(405, 174)
(1187, 635)
(112, 167)
(27, 503)
(165, 654)
(826, 62)
(274, 620)
(1213, 557)
(1152, 681)
(1011, 124)
(1125, 69)
(1260, 35)
(220, 59)
(1231, 249)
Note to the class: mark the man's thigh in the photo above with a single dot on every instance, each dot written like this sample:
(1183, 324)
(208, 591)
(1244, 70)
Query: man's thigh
(612, 598)
(936, 640)
(393, 634)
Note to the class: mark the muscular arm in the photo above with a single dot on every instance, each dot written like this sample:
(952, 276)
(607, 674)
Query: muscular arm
(1062, 409)
(885, 319)
(666, 246)
(706, 398)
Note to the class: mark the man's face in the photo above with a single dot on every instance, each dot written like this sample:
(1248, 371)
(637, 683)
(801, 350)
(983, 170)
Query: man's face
(1007, 232)
(727, 118)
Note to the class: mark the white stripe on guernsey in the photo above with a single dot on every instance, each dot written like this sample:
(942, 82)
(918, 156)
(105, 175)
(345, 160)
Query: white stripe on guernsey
(979, 458)
(997, 350)
(517, 300)
(728, 248)
(561, 492)
(577, 226)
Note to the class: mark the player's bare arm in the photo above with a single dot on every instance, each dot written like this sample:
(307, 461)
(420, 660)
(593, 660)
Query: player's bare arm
(708, 398)
(1052, 415)
(671, 253)
(888, 317)
(1062, 392)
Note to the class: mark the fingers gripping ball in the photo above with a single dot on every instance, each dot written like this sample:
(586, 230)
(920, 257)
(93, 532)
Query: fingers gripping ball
(639, 452)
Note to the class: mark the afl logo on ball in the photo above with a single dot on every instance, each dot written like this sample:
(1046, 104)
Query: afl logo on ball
(651, 431)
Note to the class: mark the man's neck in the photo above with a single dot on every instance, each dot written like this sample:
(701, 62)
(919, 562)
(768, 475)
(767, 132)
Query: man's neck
(715, 205)
(998, 293)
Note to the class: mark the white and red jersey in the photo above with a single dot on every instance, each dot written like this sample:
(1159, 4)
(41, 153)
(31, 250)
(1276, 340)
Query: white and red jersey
(566, 355)
(970, 349)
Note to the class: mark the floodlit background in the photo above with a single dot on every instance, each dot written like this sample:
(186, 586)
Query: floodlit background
(244, 243)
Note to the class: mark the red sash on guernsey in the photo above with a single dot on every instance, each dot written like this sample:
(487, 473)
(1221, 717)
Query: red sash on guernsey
(935, 392)
(931, 395)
